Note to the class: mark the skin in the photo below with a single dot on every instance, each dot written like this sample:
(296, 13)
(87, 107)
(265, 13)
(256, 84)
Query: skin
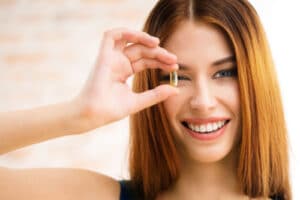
(208, 167)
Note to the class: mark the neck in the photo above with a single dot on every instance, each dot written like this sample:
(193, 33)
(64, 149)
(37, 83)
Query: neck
(216, 180)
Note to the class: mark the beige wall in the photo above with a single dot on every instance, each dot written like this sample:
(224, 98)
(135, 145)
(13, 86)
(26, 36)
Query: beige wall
(47, 48)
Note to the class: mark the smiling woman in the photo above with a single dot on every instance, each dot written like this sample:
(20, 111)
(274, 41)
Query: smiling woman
(225, 131)
(219, 134)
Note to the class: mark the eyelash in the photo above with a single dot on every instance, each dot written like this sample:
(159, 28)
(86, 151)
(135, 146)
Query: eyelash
(226, 73)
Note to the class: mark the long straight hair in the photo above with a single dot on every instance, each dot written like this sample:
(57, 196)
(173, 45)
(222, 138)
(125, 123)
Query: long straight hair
(263, 169)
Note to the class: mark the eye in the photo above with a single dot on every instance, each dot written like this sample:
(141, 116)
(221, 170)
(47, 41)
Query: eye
(167, 78)
(183, 78)
(226, 73)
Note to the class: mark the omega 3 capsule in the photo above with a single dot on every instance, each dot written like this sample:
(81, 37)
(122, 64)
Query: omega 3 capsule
(173, 78)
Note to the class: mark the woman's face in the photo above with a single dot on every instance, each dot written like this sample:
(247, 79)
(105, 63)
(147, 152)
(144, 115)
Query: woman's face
(205, 116)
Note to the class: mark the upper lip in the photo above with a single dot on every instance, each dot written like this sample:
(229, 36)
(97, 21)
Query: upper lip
(205, 120)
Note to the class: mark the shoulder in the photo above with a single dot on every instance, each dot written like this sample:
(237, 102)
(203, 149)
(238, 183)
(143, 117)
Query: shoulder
(98, 186)
(57, 183)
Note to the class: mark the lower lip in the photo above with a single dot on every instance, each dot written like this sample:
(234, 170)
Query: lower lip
(207, 137)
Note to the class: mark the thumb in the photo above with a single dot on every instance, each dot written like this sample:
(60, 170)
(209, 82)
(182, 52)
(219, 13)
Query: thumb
(154, 96)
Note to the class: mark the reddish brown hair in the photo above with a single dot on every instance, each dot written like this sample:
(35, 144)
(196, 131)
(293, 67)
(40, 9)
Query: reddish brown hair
(263, 165)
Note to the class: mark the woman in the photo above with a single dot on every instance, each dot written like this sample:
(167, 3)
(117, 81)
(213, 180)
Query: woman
(219, 135)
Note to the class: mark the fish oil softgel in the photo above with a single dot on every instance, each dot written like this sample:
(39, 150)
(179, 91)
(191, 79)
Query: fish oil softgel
(174, 78)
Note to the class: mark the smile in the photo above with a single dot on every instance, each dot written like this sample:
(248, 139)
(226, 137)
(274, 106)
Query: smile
(206, 128)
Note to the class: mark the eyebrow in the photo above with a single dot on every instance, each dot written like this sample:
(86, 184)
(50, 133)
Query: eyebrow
(215, 63)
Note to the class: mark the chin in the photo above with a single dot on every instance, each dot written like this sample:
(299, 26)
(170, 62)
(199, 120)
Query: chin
(206, 155)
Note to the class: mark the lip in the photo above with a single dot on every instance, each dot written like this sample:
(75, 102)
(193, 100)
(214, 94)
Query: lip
(198, 121)
(210, 136)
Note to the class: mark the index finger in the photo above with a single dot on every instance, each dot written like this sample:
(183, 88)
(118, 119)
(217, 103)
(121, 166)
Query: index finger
(130, 36)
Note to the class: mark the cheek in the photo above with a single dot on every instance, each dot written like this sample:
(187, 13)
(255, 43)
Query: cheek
(229, 95)
(172, 105)
(168, 105)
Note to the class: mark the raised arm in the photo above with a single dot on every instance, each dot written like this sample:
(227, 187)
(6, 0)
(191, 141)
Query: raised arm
(104, 98)
(123, 52)
(26, 127)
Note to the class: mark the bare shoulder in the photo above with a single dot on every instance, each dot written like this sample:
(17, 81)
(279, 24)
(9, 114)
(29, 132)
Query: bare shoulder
(56, 183)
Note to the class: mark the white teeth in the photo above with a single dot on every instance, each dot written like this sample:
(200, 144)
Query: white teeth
(215, 126)
(202, 128)
(197, 128)
(205, 128)
(209, 127)
(220, 123)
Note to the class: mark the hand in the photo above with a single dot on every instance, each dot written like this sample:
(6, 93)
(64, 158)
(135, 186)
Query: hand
(106, 96)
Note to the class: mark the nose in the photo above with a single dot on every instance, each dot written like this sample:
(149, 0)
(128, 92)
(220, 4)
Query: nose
(203, 97)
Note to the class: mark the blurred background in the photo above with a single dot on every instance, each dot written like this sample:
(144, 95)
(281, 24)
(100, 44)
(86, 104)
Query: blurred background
(48, 47)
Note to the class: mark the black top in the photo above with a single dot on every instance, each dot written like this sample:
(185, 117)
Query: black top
(128, 192)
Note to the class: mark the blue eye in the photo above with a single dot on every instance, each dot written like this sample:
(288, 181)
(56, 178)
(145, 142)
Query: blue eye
(226, 73)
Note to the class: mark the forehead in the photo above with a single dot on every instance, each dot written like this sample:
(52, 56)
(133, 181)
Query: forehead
(199, 41)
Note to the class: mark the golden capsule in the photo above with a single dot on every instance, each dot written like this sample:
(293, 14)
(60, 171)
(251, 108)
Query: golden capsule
(173, 78)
